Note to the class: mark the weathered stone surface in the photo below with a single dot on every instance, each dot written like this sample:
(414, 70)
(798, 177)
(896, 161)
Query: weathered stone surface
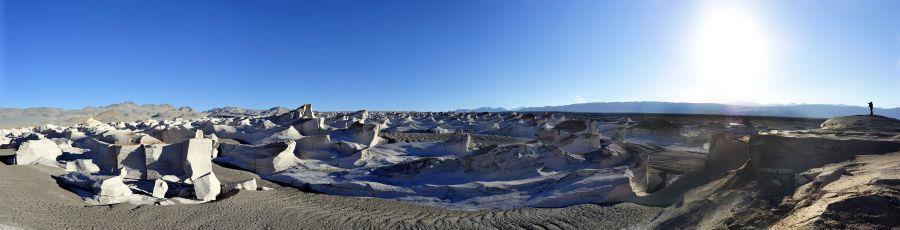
(82, 165)
(131, 159)
(113, 186)
(197, 157)
(247, 185)
(207, 187)
(366, 134)
(313, 126)
(175, 134)
(314, 142)
(160, 187)
(263, 160)
(287, 134)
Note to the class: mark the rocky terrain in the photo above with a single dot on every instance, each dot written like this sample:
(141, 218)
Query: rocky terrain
(157, 166)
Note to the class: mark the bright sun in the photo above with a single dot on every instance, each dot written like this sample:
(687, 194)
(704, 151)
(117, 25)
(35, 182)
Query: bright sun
(730, 54)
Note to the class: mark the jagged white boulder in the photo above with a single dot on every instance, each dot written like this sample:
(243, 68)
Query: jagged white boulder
(174, 134)
(360, 116)
(37, 152)
(74, 134)
(113, 186)
(105, 189)
(263, 160)
(82, 165)
(160, 187)
(267, 124)
(314, 142)
(313, 126)
(459, 143)
(197, 157)
(131, 159)
(575, 136)
(247, 185)
(366, 134)
(308, 112)
(207, 187)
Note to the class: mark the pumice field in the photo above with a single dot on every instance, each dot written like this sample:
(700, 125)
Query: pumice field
(155, 166)
(500, 114)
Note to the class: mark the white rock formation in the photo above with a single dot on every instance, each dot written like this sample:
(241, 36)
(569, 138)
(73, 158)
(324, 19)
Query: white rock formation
(197, 157)
(38, 152)
(313, 126)
(207, 187)
(366, 134)
(82, 165)
(263, 160)
(247, 185)
(160, 187)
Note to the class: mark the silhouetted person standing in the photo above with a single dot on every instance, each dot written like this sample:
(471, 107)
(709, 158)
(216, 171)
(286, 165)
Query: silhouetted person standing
(871, 109)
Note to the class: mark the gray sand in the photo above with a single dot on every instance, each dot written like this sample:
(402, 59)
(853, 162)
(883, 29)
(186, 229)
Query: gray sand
(30, 198)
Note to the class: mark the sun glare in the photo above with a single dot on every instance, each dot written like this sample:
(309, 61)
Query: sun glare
(730, 54)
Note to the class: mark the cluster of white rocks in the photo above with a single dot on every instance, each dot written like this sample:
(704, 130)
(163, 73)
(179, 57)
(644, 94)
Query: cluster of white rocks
(563, 162)
(150, 161)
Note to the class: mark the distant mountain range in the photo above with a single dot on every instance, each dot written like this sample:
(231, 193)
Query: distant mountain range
(789, 110)
(128, 111)
(482, 109)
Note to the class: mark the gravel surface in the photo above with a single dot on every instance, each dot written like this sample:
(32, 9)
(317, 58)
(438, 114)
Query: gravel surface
(30, 198)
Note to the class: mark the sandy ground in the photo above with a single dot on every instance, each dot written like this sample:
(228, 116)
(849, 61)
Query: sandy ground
(30, 198)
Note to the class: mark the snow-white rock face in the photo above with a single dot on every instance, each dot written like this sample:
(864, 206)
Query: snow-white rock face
(160, 187)
(246, 185)
(38, 152)
(82, 165)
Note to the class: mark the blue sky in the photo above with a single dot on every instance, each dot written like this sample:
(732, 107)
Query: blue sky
(442, 55)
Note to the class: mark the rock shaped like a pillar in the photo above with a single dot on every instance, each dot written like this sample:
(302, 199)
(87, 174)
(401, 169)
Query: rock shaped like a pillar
(197, 157)
(160, 187)
(307, 112)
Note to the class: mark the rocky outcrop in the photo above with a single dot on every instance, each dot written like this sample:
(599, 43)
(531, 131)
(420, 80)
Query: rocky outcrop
(37, 152)
(777, 160)
(263, 160)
